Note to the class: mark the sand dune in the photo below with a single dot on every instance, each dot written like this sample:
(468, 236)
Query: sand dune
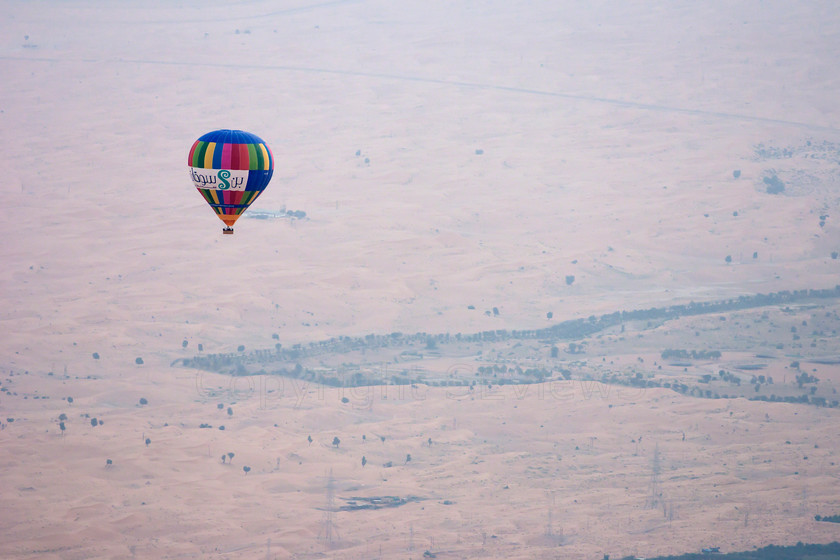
(501, 465)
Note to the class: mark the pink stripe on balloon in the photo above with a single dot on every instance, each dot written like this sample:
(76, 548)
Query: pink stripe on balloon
(226, 156)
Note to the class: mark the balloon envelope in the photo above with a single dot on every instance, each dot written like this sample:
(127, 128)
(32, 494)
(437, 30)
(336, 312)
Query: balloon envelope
(230, 168)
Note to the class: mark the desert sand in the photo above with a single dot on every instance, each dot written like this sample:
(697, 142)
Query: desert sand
(447, 156)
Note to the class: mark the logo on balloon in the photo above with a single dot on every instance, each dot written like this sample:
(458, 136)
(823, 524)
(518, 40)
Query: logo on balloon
(223, 175)
(219, 179)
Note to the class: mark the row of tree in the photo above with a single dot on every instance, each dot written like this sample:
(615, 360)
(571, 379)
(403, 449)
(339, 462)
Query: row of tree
(573, 329)
(799, 551)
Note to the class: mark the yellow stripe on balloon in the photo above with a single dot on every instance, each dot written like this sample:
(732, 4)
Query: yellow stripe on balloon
(208, 155)
(266, 159)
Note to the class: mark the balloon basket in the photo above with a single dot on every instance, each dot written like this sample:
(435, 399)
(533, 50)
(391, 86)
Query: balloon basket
(227, 231)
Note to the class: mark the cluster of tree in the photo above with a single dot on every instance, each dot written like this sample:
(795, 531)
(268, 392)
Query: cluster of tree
(728, 377)
(694, 391)
(760, 380)
(804, 378)
(772, 152)
(829, 518)
(774, 185)
(492, 370)
(518, 371)
(799, 551)
(801, 399)
(671, 353)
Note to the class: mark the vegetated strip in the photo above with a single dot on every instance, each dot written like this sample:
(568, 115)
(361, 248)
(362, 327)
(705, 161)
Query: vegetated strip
(799, 551)
(572, 329)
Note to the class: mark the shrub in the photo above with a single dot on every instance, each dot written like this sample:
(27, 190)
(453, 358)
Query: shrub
(774, 184)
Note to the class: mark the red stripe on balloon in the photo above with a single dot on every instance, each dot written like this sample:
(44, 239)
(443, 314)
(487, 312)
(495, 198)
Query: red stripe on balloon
(192, 153)
(234, 156)
(243, 156)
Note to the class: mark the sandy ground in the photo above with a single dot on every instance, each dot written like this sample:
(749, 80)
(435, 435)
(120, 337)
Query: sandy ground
(512, 472)
(501, 148)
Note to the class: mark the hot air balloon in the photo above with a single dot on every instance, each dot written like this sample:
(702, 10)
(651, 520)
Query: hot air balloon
(230, 168)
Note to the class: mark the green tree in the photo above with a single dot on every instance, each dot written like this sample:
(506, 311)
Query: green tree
(336, 441)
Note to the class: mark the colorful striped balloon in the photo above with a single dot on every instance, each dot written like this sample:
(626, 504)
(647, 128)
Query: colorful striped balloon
(230, 168)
